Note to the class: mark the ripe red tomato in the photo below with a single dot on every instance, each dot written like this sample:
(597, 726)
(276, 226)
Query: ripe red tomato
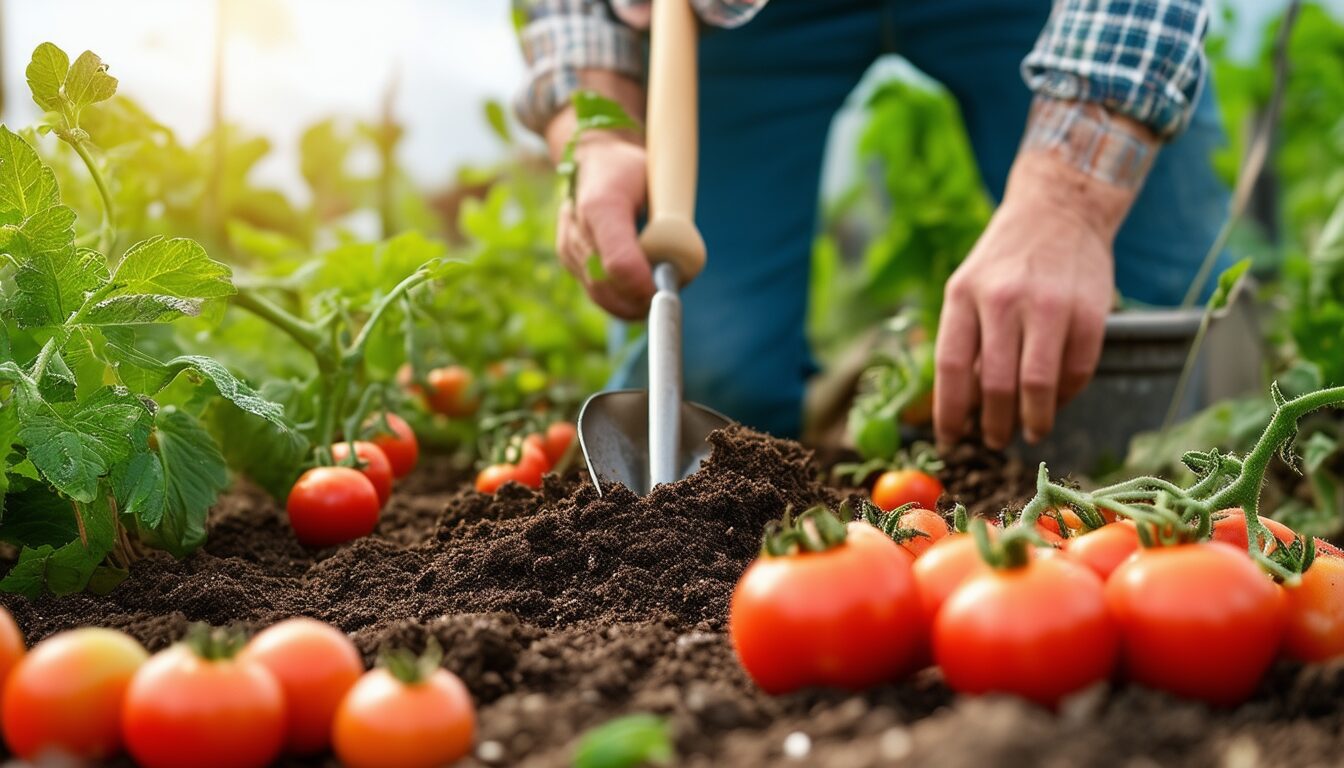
(66, 695)
(490, 479)
(315, 665)
(943, 568)
(1104, 549)
(1315, 629)
(11, 646)
(931, 523)
(384, 721)
(1072, 521)
(1229, 526)
(376, 466)
(332, 505)
(906, 486)
(532, 462)
(185, 711)
(559, 437)
(1197, 620)
(401, 447)
(1039, 631)
(450, 392)
(847, 617)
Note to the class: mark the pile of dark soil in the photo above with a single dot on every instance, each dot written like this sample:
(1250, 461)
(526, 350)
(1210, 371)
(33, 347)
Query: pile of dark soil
(562, 609)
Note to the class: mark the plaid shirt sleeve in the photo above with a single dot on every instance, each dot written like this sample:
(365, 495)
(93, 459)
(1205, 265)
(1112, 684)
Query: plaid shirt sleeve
(1140, 58)
(561, 37)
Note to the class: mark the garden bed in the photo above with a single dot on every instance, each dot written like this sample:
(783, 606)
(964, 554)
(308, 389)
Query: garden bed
(561, 609)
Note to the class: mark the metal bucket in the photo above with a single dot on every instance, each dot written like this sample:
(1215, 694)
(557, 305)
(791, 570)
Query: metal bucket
(1136, 380)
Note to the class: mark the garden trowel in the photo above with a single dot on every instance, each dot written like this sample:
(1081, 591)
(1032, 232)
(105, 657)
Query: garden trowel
(640, 438)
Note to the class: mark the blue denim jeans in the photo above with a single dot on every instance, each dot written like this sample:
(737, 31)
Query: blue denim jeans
(768, 92)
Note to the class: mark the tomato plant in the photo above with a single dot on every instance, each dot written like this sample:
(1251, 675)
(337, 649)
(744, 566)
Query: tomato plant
(196, 705)
(66, 695)
(332, 505)
(1036, 627)
(914, 528)
(409, 712)
(374, 465)
(1315, 624)
(826, 604)
(1208, 597)
(315, 665)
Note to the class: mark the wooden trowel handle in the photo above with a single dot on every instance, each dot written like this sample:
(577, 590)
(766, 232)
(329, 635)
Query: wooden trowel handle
(671, 235)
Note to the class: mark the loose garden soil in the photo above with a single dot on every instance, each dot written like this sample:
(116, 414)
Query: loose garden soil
(562, 609)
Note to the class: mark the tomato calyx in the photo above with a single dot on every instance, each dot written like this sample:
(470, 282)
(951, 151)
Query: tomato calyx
(816, 530)
(214, 643)
(1009, 550)
(1294, 557)
(920, 457)
(890, 523)
(410, 668)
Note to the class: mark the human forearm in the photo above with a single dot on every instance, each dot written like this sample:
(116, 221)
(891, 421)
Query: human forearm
(622, 89)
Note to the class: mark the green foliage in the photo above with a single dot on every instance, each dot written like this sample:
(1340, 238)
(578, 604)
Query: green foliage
(93, 459)
(633, 741)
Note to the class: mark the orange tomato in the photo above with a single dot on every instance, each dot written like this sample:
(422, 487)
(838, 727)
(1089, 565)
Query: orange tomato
(386, 722)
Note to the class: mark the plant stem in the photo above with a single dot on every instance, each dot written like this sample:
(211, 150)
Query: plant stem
(305, 333)
(356, 350)
(108, 235)
(43, 357)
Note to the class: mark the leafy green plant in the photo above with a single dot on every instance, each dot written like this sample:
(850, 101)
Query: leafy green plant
(627, 742)
(104, 449)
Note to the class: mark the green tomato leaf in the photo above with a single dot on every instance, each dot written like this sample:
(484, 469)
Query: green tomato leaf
(161, 279)
(66, 569)
(1227, 283)
(193, 475)
(46, 76)
(27, 186)
(54, 279)
(230, 388)
(74, 444)
(88, 82)
(498, 119)
(140, 309)
(140, 490)
(269, 455)
(627, 742)
(36, 517)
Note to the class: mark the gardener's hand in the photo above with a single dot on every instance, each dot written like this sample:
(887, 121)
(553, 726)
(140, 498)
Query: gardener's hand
(598, 226)
(1024, 316)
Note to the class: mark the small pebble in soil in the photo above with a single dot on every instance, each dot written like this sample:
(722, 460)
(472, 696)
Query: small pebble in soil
(490, 752)
(797, 745)
(896, 743)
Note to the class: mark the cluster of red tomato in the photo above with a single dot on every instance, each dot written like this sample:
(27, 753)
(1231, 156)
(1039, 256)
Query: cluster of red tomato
(853, 609)
(535, 455)
(332, 505)
(299, 687)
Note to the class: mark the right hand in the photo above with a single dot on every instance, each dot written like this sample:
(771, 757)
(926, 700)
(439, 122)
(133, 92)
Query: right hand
(600, 223)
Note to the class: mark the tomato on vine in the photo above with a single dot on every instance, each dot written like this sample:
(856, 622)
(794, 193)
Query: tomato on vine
(826, 604)
(1315, 608)
(196, 705)
(409, 713)
(914, 528)
(400, 445)
(376, 466)
(65, 696)
(1199, 620)
(1229, 527)
(898, 487)
(1104, 549)
(332, 505)
(315, 665)
(1032, 626)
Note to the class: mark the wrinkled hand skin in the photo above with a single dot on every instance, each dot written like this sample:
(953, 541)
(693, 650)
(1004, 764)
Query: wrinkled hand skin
(1024, 315)
(611, 190)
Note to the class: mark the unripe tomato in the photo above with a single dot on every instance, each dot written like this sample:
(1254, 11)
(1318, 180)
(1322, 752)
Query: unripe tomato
(1197, 620)
(1039, 631)
(385, 722)
(401, 447)
(332, 505)
(898, 487)
(11, 646)
(1104, 549)
(847, 617)
(315, 665)
(376, 466)
(65, 696)
(185, 711)
(1315, 629)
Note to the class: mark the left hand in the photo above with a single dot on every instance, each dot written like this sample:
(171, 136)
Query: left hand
(1024, 316)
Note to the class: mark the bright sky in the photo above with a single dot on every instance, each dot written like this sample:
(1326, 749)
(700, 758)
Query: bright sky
(290, 63)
